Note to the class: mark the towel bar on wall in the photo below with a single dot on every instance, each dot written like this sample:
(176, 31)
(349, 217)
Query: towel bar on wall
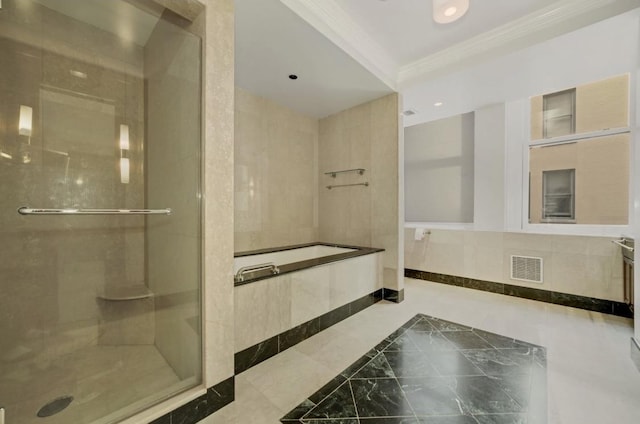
(333, 174)
(25, 210)
(347, 185)
(622, 244)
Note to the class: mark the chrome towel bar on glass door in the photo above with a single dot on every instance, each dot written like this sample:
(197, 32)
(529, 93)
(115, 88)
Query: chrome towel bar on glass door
(25, 210)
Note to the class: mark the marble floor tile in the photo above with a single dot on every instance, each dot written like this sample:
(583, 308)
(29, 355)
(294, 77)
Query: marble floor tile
(410, 364)
(466, 340)
(589, 377)
(402, 382)
(431, 396)
(281, 382)
(380, 397)
(339, 404)
(481, 395)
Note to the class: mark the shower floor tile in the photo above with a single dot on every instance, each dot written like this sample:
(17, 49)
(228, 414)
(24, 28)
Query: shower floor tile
(102, 379)
(433, 370)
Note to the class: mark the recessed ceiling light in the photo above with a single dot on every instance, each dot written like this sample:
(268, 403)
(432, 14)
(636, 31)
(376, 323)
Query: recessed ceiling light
(438, 104)
(409, 112)
(293, 77)
(447, 11)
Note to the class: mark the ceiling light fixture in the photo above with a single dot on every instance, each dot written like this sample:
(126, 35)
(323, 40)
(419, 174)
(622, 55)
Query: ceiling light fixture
(447, 11)
(450, 11)
(25, 121)
(438, 104)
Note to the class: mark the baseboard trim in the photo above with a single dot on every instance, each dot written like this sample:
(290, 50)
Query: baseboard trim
(575, 301)
(264, 350)
(392, 295)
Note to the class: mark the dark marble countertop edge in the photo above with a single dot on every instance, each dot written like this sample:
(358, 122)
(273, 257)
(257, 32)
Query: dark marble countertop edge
(309, 263)
(299, 246)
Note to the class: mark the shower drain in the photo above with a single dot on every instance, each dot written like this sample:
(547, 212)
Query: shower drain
(55, 406)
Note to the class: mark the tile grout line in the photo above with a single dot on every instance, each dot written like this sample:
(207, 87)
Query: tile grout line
(353, 398)
(530, 372)
(398, 380)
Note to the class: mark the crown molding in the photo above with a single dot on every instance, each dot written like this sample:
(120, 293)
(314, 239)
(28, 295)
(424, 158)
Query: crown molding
(328, 18)
(538, 26)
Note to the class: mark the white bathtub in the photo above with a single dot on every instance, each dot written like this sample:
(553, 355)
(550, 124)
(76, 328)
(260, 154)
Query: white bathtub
(289, 256)
(313, 281)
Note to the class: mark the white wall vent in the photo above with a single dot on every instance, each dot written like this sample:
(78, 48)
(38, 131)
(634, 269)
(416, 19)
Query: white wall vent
(526, 268)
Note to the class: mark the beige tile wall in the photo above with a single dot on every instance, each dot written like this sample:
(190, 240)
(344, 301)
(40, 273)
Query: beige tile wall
(365, 136)
(276, 174)
(218, 296)
(586, 266)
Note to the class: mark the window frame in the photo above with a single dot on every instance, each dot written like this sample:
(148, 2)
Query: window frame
(571, 219)
(608, 230)
(545, 112)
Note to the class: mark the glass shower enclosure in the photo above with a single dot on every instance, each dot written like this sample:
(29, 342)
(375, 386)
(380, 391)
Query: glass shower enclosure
(100, 252)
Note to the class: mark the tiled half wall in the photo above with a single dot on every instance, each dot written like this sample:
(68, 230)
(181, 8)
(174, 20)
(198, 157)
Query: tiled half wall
(577, 265)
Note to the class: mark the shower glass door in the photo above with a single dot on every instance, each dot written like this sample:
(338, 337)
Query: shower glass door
(100, 128)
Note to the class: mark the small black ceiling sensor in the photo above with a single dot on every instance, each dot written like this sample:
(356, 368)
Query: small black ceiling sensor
(293, 77)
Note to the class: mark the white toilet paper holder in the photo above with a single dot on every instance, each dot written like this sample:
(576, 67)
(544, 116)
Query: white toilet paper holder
(421, 233)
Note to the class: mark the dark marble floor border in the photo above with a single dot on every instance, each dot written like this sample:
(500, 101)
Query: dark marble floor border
(300, 265)
(575, 301)
(635, 352)
(264, 350)
(215, 398)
